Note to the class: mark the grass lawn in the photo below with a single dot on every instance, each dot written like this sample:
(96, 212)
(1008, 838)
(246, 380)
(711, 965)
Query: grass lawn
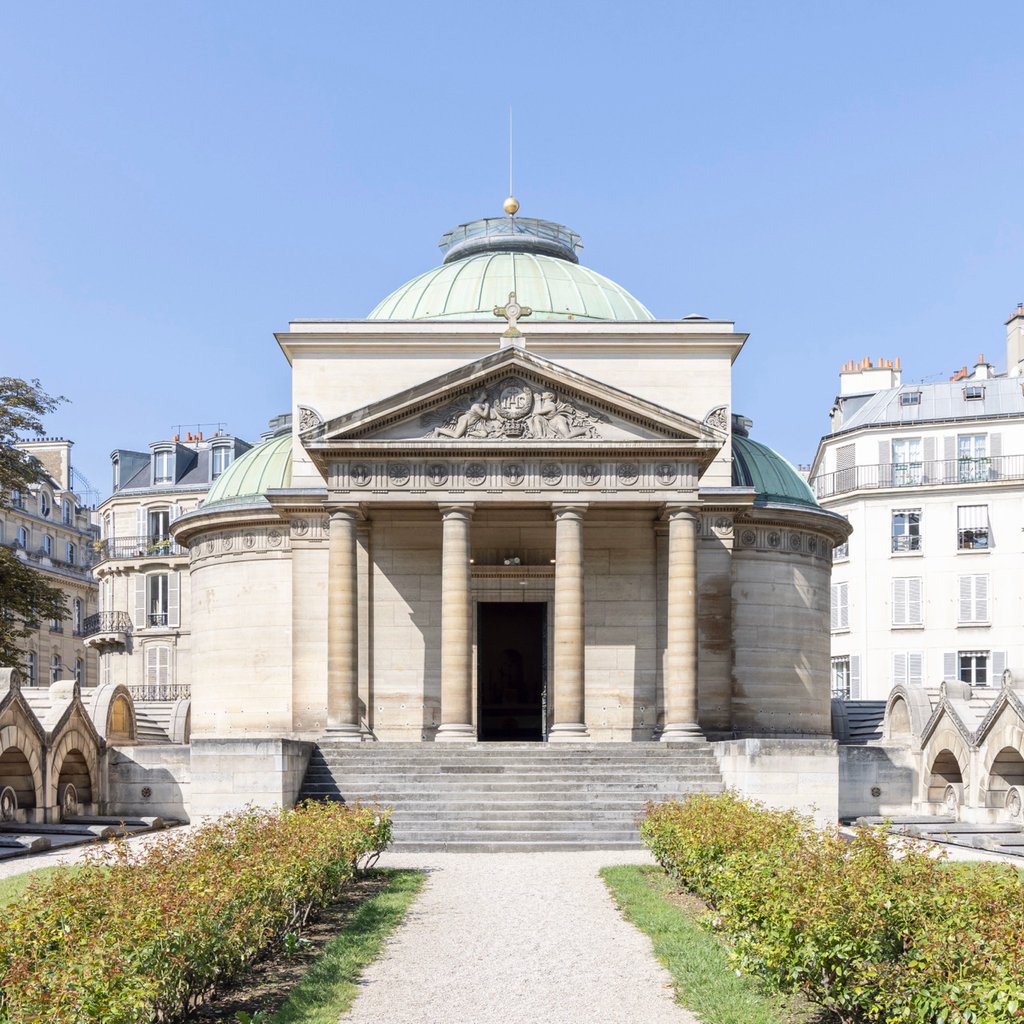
(329, 987)
(698, 961)
(11, 889)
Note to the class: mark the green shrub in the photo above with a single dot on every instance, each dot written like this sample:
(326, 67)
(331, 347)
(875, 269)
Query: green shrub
(147, 935)
(872, 932)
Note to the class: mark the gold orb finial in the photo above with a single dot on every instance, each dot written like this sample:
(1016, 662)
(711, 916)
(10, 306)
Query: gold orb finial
(511, 206)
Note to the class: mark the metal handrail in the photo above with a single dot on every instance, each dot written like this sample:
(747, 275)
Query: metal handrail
(138, 547)
(107, 622)
(934, 473)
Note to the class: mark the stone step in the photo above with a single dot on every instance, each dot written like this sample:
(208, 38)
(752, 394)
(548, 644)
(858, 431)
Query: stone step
(457, 827)
(517, 846)
(497, 782)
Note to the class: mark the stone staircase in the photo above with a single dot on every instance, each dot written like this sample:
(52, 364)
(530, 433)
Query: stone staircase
(492, 797)
(153, 720)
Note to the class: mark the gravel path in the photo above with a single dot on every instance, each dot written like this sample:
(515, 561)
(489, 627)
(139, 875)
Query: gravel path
(528, 938)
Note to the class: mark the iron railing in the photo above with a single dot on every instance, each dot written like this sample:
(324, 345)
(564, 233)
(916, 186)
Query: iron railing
(936, 473)
(138, 547)
(160, 691)
(107, 622)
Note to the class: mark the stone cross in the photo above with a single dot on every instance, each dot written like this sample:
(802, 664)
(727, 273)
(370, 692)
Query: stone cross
(512, 311)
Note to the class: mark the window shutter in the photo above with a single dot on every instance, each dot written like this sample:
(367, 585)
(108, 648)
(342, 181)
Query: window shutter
(949, 669)
(174, 513)
(998, 667)
(835, 606)
(844, 606)
(854, 677)
(141, 522)
(845, 456)
(949, 448)
(914, 602)
(929, 449)
(981, 598)
(995, 445)
(966, 598)
(899, 602)
(139, 601)
(899, 670)
(915, 669)
(151, 665)
(173, 599)
(884, 453)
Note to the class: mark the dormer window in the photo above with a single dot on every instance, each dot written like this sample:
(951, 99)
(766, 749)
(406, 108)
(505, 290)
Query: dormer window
(44, 504)
(910, 398)
(163, 468)
(221, 458)
(116, 463)
(973, 392)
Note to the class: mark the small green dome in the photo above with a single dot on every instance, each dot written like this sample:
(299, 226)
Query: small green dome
(772, 477)
(248, 479)
(487, 259)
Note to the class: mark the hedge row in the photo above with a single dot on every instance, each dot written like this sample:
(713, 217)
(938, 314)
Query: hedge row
(146, 935)
(871, 932)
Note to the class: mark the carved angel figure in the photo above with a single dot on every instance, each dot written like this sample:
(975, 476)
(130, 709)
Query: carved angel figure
(551, 418)
(478, 411)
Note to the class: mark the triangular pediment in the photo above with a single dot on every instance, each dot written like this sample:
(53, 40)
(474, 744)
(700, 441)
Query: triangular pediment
(513, 396)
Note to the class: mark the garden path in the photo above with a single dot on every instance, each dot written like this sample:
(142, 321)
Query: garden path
(526, 938)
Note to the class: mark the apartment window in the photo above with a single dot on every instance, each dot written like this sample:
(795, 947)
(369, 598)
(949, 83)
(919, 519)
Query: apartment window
(66, 511)
(159, 523)
(76, 616)
(973, 667)
(31, 668)
(841, 678)
(156, 599)
(907, 603)
(56, 626)
(906, 530)
(972, 464)
(44, 504)
(158, 665)
(973, 392)
(116, 466)
(840, 606)
(163, 468)
(71, 553)
(910, 398)
(21, 537)
(841, 551)
(907, 668)
(79, 671)
(972, 528)
(17, 498)
(47, 545)
(907, 467)
(56, 667)
(221, 458)
(973, 599)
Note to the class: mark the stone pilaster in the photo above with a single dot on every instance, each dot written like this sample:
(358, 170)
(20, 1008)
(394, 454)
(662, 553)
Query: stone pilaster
(681, 649)
(343, 625)
(456, 627)
(568, 696)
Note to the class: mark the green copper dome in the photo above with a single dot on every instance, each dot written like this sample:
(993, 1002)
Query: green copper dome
(772, 477)
(247, 479)
(487, 259)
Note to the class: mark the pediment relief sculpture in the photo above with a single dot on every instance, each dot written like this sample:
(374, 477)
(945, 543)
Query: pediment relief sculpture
(514, 409)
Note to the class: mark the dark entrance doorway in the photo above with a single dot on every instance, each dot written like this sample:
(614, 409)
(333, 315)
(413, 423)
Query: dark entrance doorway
(510, 670)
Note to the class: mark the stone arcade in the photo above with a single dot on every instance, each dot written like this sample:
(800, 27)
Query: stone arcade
(476, 531)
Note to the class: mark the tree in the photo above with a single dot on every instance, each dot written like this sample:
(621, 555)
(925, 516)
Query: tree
(26, 596)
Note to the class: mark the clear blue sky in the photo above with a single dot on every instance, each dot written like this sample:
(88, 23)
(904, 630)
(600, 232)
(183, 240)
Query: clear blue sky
(179, 180)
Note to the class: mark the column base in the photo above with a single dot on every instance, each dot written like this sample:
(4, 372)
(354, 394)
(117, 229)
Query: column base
(345, 733)
(682, 732)
(568, 732)
(453, 733)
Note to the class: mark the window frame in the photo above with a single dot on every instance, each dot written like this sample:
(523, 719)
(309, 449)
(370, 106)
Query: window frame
(910, 548)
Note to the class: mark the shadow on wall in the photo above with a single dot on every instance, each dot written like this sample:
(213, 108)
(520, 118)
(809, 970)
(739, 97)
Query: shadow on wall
(150, 781)
(875, 780)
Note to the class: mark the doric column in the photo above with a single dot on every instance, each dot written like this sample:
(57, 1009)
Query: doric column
(681, 654)
(567, 677)
(343, 625)
(456, 626)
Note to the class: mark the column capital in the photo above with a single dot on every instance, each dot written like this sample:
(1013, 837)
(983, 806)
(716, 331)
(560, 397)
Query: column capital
(673, 512)
(345, 511)
(456, 509)
(569, 510)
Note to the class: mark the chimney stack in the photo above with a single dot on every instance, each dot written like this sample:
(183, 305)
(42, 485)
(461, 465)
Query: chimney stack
(1015, 342)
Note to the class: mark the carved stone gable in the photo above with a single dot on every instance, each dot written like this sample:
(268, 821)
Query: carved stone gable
(513, 408)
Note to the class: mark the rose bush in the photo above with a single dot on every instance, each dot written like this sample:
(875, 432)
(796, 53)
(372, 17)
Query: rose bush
(146, 935)
(872, 931)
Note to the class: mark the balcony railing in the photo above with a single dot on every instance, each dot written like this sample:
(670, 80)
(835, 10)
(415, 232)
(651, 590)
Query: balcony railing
(107, 622)
(160, 691)
(138, 547)
(936, 473)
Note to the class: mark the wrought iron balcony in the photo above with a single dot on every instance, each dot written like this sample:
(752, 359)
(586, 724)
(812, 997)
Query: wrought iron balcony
(107, 629)
(160, 691)
(936, 473)
(138, 547)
